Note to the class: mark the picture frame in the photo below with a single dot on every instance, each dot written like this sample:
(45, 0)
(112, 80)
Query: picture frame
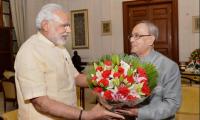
(6, 7)
(6, 20)
(6, 13)
(80, 31)
(195, 24)
(106, 28)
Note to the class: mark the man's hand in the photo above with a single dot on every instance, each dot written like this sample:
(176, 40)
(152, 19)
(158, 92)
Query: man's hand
(128, 111)
(81, 80)
(99, 113)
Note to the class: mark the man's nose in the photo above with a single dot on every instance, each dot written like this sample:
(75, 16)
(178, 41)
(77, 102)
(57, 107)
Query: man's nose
(132, 39)
(68, 29)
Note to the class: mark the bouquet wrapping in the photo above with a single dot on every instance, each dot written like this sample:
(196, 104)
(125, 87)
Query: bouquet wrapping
(122, 80)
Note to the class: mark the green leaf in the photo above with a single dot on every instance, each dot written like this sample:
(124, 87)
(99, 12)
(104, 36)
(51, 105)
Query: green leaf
(130, 71)
(116, 68)
(101, 63)
(115, 59)
(89, 77)
(95, 66)
(105, 57)
(116, 82)
(152, 75)
(138, 88)
(121, 78)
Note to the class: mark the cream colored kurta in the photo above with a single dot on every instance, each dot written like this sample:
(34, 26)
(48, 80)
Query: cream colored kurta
(43, 69)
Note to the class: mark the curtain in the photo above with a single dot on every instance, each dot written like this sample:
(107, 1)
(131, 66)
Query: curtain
(18, 15)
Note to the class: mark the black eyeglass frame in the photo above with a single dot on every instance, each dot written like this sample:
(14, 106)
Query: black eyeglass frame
(137, 36)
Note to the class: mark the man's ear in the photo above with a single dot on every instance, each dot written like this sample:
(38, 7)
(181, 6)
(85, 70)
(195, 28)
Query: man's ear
(45, 25)
(151, 40)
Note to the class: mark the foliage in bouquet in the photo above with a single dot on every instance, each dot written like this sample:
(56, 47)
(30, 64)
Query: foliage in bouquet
(122, 78)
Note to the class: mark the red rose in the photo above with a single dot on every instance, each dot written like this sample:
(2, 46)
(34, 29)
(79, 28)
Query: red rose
(108, 62)
(98, 89)
(141, 72)
(106, 73)
(94, 77)
(130, 79)
(131, 98)
(103, 82)
(99, 68)
(121, 70)
(116, 75)
(123, 91)
(108, 95)
(146, 89)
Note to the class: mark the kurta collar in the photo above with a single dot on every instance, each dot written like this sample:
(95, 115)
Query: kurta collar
(45, 40)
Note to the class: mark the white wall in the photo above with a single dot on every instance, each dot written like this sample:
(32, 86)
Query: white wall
(188, 41)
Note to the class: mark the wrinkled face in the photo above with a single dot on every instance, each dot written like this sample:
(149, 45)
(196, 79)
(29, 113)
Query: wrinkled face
(140, 39)
(59, 28)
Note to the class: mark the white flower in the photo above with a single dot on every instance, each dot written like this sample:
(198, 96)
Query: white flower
(139, 79)
(99, 76)
(125, 66)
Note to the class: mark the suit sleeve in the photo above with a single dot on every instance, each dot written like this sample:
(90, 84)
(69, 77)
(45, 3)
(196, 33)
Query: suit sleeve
(166, 98)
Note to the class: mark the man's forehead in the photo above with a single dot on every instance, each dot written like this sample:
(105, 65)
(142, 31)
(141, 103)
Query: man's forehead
(61, 13)
(62, 16)
(140, 28)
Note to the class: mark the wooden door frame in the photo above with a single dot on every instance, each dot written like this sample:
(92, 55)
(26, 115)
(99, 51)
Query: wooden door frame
(174, 3)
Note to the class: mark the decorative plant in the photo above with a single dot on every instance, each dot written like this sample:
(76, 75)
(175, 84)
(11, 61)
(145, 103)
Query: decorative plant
(195, 55)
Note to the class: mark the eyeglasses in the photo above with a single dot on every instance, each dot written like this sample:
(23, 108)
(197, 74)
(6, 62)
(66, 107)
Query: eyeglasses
(61, 24)
(136, 36)
(66, 25)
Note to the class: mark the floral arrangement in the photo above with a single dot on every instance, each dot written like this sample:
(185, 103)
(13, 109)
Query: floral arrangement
(194, 64)
(195, 55)
(122, 80)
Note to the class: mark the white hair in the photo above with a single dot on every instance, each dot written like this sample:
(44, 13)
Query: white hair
(152, 28)
(47, 13)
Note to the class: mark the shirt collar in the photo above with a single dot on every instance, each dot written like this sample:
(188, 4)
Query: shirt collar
(149, 56)
(45, 40)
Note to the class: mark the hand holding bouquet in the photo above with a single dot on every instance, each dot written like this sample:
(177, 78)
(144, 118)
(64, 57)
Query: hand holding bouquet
(122, 80)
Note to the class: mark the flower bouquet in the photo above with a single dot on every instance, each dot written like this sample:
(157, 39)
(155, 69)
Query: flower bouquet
(122, 80)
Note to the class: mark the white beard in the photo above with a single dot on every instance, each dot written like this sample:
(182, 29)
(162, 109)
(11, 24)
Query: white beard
(60, 40)
(57, 39)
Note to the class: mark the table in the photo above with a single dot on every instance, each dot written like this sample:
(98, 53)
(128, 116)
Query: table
(192, 77)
